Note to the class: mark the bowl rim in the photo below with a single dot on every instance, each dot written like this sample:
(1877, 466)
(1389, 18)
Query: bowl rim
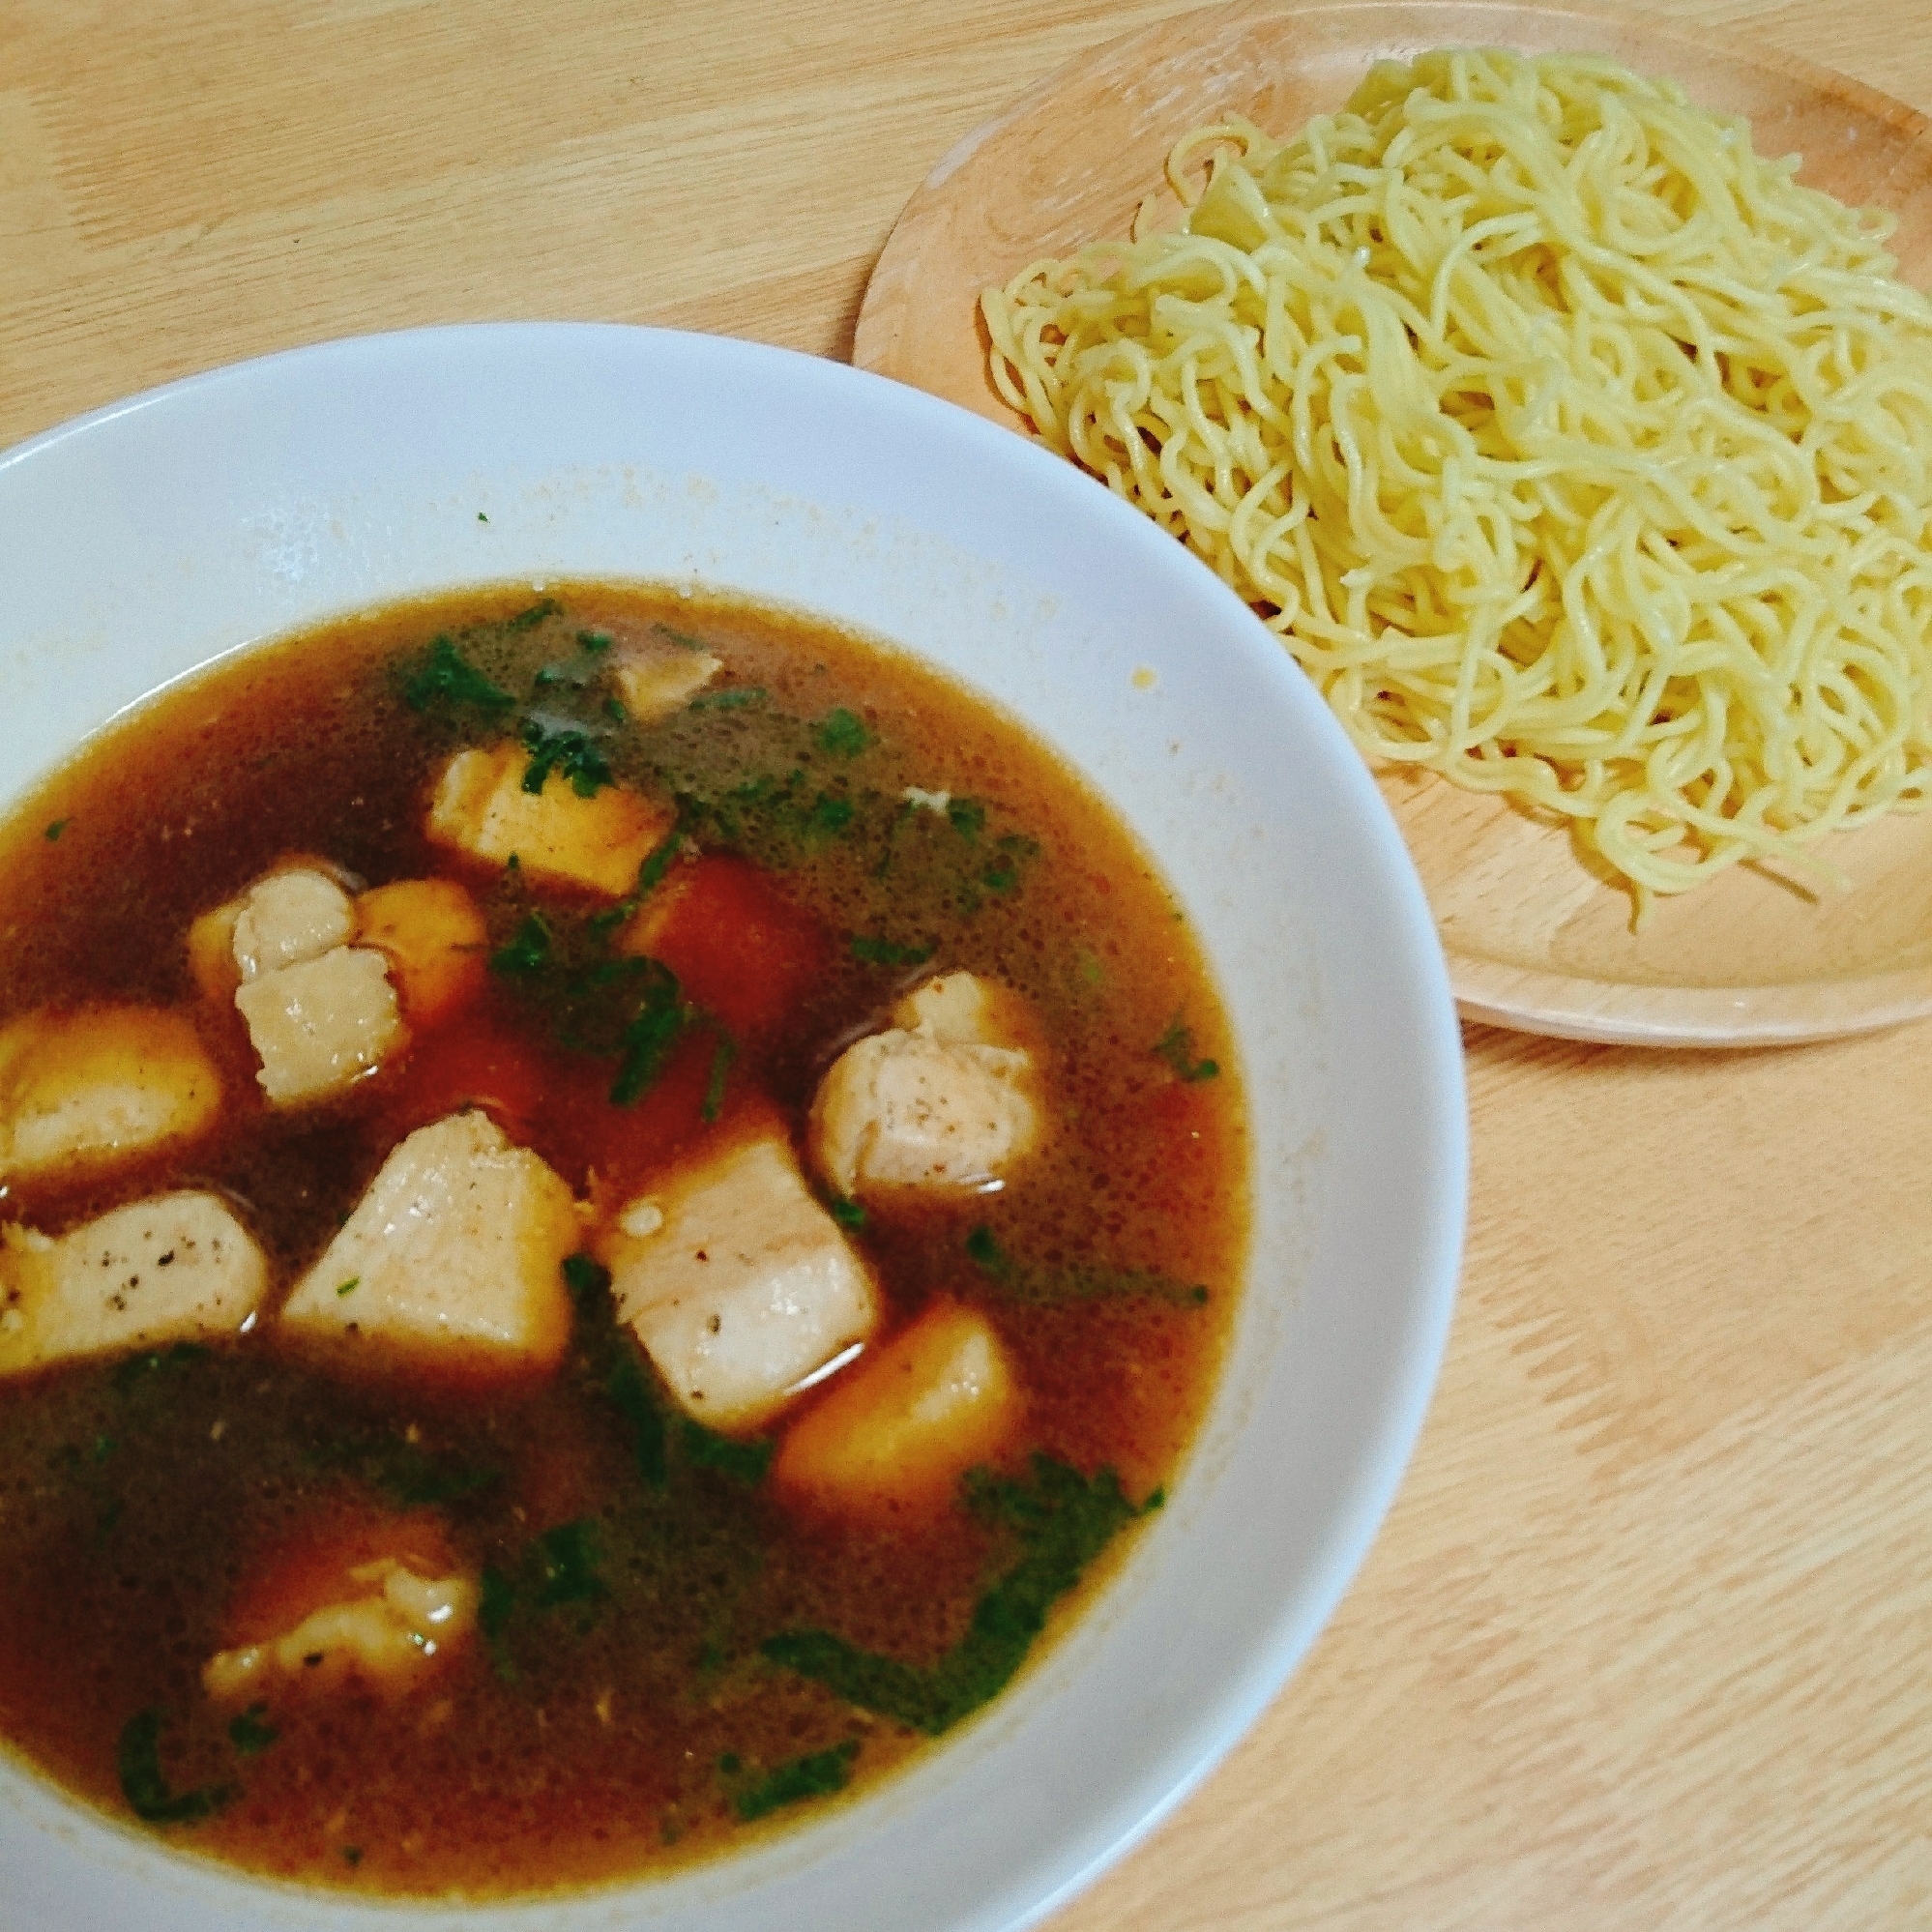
(1030, 1890)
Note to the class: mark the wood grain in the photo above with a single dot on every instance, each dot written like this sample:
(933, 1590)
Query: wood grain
(1533, 937)
(1647, 1641)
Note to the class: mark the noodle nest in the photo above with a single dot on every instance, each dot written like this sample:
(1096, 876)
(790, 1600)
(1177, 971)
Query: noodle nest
(1577, 451)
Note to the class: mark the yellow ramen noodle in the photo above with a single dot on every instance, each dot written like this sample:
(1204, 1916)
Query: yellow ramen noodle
(1575, 451)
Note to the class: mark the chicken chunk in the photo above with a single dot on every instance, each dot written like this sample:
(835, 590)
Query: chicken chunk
(85, 1092)
(176, 1268)
(481, 808)
(938, 1101)
(320, 1025)
(658, 675)
(454, 1255)
(739, 1285)
(388, 1635)
(897, 1434)
(287, 917)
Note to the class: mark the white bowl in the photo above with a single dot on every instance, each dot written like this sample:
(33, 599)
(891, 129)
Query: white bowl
(143, 541)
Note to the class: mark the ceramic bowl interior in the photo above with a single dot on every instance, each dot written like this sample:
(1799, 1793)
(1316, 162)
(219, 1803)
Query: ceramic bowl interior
(150, 537)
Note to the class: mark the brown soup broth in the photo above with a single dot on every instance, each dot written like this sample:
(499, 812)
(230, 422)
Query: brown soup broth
(621, 1709)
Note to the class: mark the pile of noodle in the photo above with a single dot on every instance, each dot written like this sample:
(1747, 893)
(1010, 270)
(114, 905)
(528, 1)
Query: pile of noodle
(1576, 451)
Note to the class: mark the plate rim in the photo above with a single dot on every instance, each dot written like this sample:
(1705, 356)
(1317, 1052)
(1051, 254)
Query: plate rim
(1488, 990)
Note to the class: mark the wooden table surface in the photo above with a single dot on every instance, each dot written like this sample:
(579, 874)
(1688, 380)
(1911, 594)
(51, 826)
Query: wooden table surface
(1647, 1640)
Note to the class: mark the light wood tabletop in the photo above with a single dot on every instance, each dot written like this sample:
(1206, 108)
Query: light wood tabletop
(1647, 1640)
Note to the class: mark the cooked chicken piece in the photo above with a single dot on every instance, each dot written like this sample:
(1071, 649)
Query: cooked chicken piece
(657, 675)
(958, 1010)
(84, 1092)
(739, 1285)
(435, 941)
(177, 1268)
(287, 917)
(454, 1255)
(320, 1025)
(390, 1636)
(935, 1102)
(899, 1432)
(295, 912)
(481, 808)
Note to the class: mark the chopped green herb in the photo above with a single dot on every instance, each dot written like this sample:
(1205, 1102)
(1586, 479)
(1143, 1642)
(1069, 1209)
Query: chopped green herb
(817, 1775)
(734, 697)
(731, 1764)
(481, 517)
(828, 817)
(843, 733)
(1062, 1521)
(567, 748)
(446, 678)
(138, 1367)
(528, 951)
(596, 641)
(409, 1476)
(144, 1784)
(683, 639)
(586, 1278)
(350, 1286)
(657, 862)
(54, 831)
(967, 817)
(1176, 1046)
(613, 709)
(847, 1214)
(104, 1448)
(871, 951)
(496, 1599)
(630, 1392)
(723, 1055)
(985, 1253)
(743, 1459)
(558, 1568)
(648, 1040)
(567, 1559)
(249, 1732)
(629, 1009)
(529, 620)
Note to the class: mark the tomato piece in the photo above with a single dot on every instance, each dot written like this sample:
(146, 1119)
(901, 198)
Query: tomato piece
(740, 949)
(620, 1146)
(482, 1065)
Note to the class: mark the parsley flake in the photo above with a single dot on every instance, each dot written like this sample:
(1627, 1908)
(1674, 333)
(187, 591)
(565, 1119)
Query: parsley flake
(818, 1774)
(871, 951)
(447, 679)
(145, 1785)
(249, 1732)
(1061, 1521)
(1176, 1046)
(844, 733)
